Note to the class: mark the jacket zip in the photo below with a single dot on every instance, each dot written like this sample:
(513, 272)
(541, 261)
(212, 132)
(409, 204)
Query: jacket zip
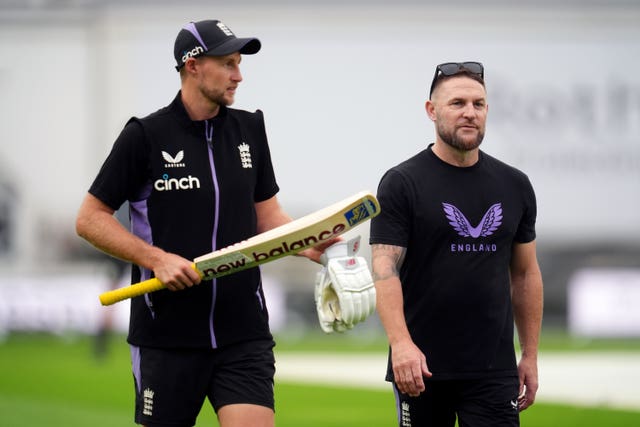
(208, 133)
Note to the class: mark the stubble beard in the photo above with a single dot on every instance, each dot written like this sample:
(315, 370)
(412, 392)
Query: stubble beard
(216, 97)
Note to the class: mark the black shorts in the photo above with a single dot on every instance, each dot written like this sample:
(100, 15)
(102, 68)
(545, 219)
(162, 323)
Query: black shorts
(487, 402)
(171, 385)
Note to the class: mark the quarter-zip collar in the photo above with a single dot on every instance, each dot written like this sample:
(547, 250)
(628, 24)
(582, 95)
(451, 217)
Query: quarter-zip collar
(194, 125)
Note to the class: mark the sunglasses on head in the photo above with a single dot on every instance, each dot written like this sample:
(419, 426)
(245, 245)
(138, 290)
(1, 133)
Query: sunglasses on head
(453, 68)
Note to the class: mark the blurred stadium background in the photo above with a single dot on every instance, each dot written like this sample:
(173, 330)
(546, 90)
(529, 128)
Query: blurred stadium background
(342, 85)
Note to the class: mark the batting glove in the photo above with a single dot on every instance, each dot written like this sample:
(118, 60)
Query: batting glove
(344, 289)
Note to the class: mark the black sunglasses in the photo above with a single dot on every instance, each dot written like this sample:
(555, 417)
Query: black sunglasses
(453, 68)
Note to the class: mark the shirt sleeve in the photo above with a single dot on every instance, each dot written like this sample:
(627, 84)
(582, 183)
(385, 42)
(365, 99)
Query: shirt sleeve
(393, 225)
(266, 186)
(125, 171)
(527, 228)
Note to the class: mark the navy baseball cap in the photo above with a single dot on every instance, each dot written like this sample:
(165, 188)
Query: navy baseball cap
(212, 38)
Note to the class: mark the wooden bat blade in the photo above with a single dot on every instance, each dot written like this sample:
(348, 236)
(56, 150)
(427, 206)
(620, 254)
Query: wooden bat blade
(288, 239)
(291, 238)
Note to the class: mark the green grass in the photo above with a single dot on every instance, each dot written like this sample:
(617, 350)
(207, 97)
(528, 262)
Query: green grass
(47, 380)
(553, 340)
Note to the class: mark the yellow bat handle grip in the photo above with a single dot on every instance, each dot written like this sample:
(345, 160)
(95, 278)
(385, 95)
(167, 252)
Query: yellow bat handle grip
(135, 290)
(116, 295)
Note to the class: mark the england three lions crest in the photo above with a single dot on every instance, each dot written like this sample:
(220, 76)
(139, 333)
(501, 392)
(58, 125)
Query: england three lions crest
(245, 155)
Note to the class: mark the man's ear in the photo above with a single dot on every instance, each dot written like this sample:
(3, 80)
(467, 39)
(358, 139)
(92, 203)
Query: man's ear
(431, 110)
(190, 65)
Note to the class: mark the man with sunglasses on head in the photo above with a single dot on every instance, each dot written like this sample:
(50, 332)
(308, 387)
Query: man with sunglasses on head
(454, 263)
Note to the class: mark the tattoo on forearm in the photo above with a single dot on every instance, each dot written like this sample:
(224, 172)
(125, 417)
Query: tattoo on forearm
(386, 261)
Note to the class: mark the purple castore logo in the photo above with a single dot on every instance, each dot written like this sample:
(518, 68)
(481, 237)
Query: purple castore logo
(489, 223)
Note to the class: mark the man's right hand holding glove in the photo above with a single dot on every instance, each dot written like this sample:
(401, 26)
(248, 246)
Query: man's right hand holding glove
(344, 289)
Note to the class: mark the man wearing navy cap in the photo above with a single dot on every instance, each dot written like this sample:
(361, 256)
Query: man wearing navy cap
(198, 177)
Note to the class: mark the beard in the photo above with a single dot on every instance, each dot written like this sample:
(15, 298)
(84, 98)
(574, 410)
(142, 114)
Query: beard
(216, 96)
(451, 138)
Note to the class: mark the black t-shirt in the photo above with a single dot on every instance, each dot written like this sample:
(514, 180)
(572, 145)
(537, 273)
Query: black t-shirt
(192, 188)
(458, 226)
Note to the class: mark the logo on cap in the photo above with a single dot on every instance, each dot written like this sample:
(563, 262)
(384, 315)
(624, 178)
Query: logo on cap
(224, 29)
(192, 53)
(212, 38)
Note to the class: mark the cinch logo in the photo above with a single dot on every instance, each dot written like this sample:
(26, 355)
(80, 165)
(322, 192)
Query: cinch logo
(173, 162)
(191, 53)
(170, 184)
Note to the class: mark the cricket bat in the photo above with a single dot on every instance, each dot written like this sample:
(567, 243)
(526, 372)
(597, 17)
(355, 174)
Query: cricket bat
(288, 239)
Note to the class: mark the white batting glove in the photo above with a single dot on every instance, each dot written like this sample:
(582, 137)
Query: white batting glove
(344, 289)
